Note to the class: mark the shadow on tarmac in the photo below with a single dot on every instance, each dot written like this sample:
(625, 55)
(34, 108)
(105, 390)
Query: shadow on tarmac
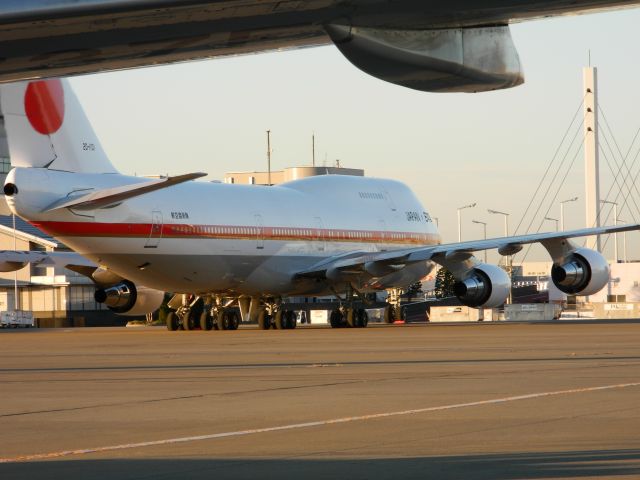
(540, 465)
(239, 366)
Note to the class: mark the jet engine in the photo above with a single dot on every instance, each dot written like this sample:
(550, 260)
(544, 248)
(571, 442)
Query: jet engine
(584, 272)
(485, 286)
(126, 299)
(474, 59)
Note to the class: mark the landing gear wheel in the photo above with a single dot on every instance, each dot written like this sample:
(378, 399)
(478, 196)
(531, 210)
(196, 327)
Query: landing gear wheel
(222, 319)
(188, 320)
(279, 320)
(172, 322)
(206, 322)
(362, 318)
(227, 320)
(264, 320)
(234, 320)
(389, 314)
(336, 320)
(290, 319)
(351, 317)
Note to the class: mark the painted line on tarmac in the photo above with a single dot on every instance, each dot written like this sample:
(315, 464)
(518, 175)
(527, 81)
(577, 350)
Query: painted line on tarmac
(319, 423)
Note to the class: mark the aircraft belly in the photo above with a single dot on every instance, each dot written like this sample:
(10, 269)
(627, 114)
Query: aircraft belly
(183, 265)
(200, 265)
(233, 274)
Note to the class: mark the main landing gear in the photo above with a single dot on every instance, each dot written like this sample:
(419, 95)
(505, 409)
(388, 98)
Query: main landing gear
(273, 315)
(192, 314)
(218, 313)
(349, 315)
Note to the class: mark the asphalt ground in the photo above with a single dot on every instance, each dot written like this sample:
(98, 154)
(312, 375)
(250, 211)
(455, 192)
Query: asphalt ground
(481, 401)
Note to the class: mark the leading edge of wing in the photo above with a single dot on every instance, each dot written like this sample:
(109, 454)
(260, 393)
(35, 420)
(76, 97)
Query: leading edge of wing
(500, 242)
(421, 254)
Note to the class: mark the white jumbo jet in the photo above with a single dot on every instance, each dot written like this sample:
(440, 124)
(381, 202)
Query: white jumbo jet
(236, 245)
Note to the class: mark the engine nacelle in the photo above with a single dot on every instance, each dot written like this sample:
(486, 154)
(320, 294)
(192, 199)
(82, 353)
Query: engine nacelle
(475, 59)
(127, 299)
(585, 272)
(486, 286)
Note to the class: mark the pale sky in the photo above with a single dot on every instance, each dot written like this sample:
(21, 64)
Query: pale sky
(451, 149)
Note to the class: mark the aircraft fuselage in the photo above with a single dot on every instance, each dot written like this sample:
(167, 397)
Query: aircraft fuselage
(233, 239)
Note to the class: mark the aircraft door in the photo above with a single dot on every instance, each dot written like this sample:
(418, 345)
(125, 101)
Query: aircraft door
(259, 232)
(318, 237)
(389, 199)
(156, 230)
(382, 226)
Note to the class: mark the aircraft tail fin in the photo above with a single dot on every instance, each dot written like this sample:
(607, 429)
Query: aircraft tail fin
(47, 128)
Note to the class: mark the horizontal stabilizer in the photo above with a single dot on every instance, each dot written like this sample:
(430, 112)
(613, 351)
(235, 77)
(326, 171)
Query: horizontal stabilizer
(12, 260)
(109, 196)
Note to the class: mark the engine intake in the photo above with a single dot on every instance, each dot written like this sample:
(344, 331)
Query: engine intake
(486, 286)
(585, 272)
(126, 299)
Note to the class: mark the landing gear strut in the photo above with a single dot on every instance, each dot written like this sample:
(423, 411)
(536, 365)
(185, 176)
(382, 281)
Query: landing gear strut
(393, 311)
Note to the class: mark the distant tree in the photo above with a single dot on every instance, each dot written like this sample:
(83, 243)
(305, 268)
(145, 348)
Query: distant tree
(444, 283)
(413, 289)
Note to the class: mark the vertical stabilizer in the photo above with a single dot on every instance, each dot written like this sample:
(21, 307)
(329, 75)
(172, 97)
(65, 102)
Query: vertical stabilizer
(47, 128)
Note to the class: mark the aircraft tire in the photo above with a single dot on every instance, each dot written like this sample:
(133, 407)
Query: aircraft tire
(336, 320)
(188, 322)
(222, 319)
(291, 322)
(172, 322)
(362, 318)
(206, 322)
(389, 314)
(279, 320)
(264, 320)
(352, 317)
(234, 320)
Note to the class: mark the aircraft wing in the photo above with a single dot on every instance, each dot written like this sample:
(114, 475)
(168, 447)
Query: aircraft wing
(11, 260)
(407, 42)
(368, 262)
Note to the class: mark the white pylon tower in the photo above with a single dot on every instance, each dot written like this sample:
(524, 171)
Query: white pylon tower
(591, 154)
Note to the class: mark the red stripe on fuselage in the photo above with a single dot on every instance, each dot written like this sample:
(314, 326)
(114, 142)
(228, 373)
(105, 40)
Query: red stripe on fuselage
(237, 232)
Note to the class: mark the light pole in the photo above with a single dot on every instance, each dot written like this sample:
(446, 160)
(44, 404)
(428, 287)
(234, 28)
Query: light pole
(484, 225)
(269, 157)
(509, 259)
(562, 210)
(16, 299)
(624, 241)
(615, 222)
(471, 205)
(553, 220)
(506, 220)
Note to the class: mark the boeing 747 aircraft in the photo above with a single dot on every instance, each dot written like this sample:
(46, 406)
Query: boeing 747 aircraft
(232, 245)
(437, 45)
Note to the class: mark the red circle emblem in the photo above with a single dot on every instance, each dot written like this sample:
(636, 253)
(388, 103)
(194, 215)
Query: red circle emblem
(44, 105)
